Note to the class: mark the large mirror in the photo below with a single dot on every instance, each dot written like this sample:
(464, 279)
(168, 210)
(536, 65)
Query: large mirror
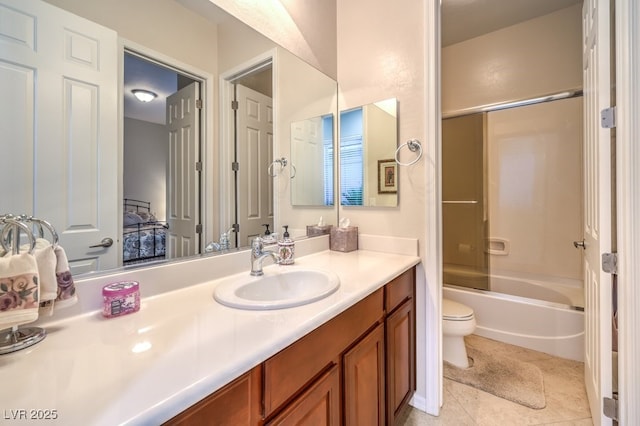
(99, 164)
(368, 143)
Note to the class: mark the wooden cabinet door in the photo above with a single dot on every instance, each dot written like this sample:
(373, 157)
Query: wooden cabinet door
(318, 405)
(364, 381)
(400, 345)
(238, 403)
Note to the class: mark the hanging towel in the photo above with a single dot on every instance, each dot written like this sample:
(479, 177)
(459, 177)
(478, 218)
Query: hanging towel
(46, 261)
(66, 287)
(19, 290)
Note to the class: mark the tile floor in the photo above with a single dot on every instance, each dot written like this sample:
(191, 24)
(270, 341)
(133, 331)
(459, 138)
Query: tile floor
(563, 387)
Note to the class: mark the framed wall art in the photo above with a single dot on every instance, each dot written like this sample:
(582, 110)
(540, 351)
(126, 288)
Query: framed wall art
(387, 176)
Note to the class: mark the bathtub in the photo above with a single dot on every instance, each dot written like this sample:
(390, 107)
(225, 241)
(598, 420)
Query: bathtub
(552, 326)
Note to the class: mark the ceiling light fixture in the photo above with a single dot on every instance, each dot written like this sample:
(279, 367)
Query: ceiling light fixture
(144, 95)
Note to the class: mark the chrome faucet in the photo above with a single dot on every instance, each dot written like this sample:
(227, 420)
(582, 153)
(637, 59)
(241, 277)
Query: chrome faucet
(258, 254)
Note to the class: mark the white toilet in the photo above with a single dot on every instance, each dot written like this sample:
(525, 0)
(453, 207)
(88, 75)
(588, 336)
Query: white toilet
(457, 321)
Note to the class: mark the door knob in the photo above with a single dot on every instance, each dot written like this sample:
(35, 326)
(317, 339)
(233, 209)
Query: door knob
(106, 242)
(579, 244)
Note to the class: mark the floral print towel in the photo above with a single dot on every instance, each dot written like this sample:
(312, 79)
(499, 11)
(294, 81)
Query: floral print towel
(19, 290)
(66, 287)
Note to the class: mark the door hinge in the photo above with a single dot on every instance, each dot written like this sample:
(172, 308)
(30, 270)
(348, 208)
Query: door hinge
(235, 166)
(199, 103)
(608, 118)
(234, 105)
(199, 228)
(198, 166)
(610, 263)
(610, 408)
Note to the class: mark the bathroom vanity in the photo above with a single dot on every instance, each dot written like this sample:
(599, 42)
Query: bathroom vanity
(184, 354)
(371, 346)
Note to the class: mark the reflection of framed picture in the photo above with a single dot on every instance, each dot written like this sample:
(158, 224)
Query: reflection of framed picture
(387, 176)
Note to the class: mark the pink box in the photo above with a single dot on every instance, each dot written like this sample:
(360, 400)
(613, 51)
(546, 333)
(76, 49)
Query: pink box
(120, 298)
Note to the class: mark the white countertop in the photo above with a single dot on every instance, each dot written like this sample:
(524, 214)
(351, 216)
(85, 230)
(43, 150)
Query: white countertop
(146, 367)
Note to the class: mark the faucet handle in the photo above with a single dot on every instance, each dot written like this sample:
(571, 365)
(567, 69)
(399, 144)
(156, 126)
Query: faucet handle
(257, 245)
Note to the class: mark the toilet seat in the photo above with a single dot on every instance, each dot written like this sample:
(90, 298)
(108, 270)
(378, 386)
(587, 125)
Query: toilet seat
(454, 311)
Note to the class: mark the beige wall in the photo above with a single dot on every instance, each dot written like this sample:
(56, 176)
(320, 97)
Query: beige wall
(307, 29)
(195, 45)
(534, 58)
(381, 55)
(144, 144)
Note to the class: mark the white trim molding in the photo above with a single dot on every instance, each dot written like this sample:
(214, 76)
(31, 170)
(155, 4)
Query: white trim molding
(433, 215)
(627, 33)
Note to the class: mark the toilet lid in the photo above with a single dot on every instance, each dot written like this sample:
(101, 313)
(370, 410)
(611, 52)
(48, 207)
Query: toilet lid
(455, 311)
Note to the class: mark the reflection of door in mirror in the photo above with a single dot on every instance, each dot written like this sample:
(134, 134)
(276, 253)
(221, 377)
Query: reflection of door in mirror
(254, 153)
(312, 158)
(161, 148)
(183, 175)
(368, 140)
(52, 148)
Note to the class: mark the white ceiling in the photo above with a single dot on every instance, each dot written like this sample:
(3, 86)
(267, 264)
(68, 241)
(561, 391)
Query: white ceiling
(466, 19)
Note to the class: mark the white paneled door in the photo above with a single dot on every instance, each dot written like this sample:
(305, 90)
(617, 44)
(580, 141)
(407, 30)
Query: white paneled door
(183, 181)
(254, 154)
(58, 115)
(598, 207)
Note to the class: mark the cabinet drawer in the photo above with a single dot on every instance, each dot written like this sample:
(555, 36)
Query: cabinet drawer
(290, 370)
(399, 289)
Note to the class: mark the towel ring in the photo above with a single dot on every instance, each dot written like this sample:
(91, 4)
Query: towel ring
(282, 162)
(54, 235)
(14, 228)
(413, 145)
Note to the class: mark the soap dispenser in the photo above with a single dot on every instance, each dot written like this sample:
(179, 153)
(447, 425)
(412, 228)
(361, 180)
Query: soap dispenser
(224, 239)
(286, 248)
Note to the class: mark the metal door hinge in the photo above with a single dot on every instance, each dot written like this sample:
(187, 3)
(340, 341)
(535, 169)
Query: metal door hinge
(608, 118)
(199, 103)
(610, 408)
(199, 228)
(610, 263)
(235, 166)
(198, 166)
(234, 105)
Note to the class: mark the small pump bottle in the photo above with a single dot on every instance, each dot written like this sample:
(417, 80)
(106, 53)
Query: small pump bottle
(286, 248)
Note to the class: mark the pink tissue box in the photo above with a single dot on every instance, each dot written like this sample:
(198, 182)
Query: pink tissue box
(120, 298)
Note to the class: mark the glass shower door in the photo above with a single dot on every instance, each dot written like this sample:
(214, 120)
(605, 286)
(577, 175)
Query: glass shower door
(464, 217)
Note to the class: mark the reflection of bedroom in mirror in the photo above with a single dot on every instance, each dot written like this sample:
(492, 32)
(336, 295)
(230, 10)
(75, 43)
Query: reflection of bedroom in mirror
(161, 145)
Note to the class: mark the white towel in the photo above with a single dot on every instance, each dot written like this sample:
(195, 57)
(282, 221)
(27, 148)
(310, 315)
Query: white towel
(66, 288)
(46, 260)
(19, 290)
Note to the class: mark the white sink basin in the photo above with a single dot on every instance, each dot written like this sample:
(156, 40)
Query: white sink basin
(279, 287)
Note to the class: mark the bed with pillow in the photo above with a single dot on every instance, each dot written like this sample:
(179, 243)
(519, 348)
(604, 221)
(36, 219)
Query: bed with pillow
(144, 237)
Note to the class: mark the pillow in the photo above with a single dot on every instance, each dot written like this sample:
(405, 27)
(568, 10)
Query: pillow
(147, 217)
(131, 219)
